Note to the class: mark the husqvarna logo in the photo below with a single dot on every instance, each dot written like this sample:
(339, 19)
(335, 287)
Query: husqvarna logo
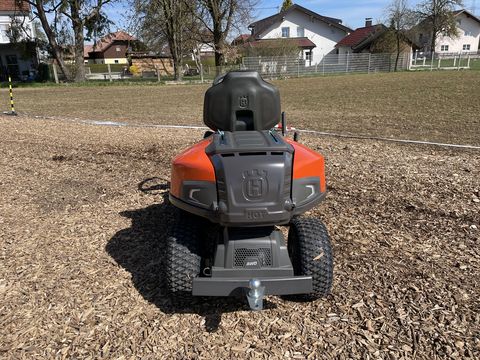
(255, 184)
(243, 101)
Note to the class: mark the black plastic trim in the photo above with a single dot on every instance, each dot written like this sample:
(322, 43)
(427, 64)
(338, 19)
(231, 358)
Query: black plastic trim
(203, 286)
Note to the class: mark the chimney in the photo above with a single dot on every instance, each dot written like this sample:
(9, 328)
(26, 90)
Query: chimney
(368, 22)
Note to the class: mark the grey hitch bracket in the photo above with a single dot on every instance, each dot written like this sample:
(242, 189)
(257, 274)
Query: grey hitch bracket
(256, 294)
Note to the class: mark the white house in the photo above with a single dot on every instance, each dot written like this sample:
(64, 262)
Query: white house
(16, 59)
(468, 38)
(316, 34)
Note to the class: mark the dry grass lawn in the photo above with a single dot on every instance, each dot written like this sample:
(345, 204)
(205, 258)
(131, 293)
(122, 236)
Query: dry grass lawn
(438, 106)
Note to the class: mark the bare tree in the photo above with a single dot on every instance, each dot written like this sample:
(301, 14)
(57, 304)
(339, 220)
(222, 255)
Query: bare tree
(401, 19)
(219, 17)
(82, 15)
(437, 16)
(165, 22)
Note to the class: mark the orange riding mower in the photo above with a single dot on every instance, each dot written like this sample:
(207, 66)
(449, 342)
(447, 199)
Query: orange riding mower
(234, 190)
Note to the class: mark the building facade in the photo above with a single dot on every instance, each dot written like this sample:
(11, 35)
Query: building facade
(18, 52)
(298, 22)
(110, 49)
(468, 39)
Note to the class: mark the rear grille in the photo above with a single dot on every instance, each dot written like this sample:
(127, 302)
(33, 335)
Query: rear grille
(264, 256)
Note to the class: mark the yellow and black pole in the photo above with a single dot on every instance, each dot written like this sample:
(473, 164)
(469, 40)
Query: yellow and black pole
(12, 107)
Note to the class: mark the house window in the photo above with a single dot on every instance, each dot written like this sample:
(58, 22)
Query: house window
(444, 48)
(459, 22)
(468, 33)
(12, 65)
(4, 32)
(116, 61)
(308, 56)
(300, 31)
(117, 49)
(285, 32)
(466, 47)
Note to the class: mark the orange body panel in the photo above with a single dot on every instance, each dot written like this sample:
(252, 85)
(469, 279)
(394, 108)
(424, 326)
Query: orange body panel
(191, 164)
(307, 163)
(194, 164)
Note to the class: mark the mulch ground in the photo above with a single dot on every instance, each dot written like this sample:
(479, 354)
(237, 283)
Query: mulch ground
(82, 219)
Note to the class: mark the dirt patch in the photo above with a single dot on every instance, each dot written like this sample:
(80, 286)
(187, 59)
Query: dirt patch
(82, 217)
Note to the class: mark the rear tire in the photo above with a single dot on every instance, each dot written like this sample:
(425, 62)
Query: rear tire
(183, 262)
(311, 255)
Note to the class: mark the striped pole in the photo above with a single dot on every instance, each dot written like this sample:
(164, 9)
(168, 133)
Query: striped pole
(12, 112)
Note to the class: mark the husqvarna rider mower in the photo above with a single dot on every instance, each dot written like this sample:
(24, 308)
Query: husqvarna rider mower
(234, 189)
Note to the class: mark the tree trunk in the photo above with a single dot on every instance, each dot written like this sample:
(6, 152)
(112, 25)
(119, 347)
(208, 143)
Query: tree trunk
(177, 60)
(398, 51)
(79, 41)
(433, 42)
(56, 49)
(218, 45)
(177, 68)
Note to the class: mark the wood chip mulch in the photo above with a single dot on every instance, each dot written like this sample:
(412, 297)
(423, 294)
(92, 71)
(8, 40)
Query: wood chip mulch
(82, 216)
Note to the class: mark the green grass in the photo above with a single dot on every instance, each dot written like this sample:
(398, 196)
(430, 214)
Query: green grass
(103, 68)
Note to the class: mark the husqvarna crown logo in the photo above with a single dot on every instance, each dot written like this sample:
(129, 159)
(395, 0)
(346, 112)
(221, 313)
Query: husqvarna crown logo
(255, 184)
(243, 101)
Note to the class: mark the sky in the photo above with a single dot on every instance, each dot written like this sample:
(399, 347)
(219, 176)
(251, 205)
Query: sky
(351, 12)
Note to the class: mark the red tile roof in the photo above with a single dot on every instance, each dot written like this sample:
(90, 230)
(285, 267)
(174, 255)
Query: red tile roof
(357, 36)
(107, 40)
(86, 50)
(14, 5)
(242, 37)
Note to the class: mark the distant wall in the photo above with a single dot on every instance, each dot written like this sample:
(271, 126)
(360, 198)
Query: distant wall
(144, 64)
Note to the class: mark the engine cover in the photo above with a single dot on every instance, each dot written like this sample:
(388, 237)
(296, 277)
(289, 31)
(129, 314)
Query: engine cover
(258, 168)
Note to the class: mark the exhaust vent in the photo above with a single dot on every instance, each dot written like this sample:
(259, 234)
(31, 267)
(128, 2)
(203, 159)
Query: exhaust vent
(263, 255)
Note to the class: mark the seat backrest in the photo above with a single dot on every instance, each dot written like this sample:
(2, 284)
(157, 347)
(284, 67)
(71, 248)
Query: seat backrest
(241, 100)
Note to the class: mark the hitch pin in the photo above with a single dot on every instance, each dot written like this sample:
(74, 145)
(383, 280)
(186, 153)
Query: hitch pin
(255, 294)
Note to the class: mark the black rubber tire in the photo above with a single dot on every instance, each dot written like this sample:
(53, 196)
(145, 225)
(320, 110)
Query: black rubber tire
(183, 250)
(311, 255)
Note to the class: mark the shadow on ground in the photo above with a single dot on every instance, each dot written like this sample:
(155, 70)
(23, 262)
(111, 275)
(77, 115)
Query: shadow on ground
(140, 250)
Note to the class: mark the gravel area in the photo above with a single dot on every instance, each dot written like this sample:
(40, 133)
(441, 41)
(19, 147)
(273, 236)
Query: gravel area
(82, 219)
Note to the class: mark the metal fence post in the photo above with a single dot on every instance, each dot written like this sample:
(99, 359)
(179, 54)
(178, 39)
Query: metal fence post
(158, 73)
(109, 72)
(201, 71)
(432, 60)
(298, 67)
(323, 65)
(55, 74)
(468, 62)
(369, 62)
(346, 66)
(459, 61)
